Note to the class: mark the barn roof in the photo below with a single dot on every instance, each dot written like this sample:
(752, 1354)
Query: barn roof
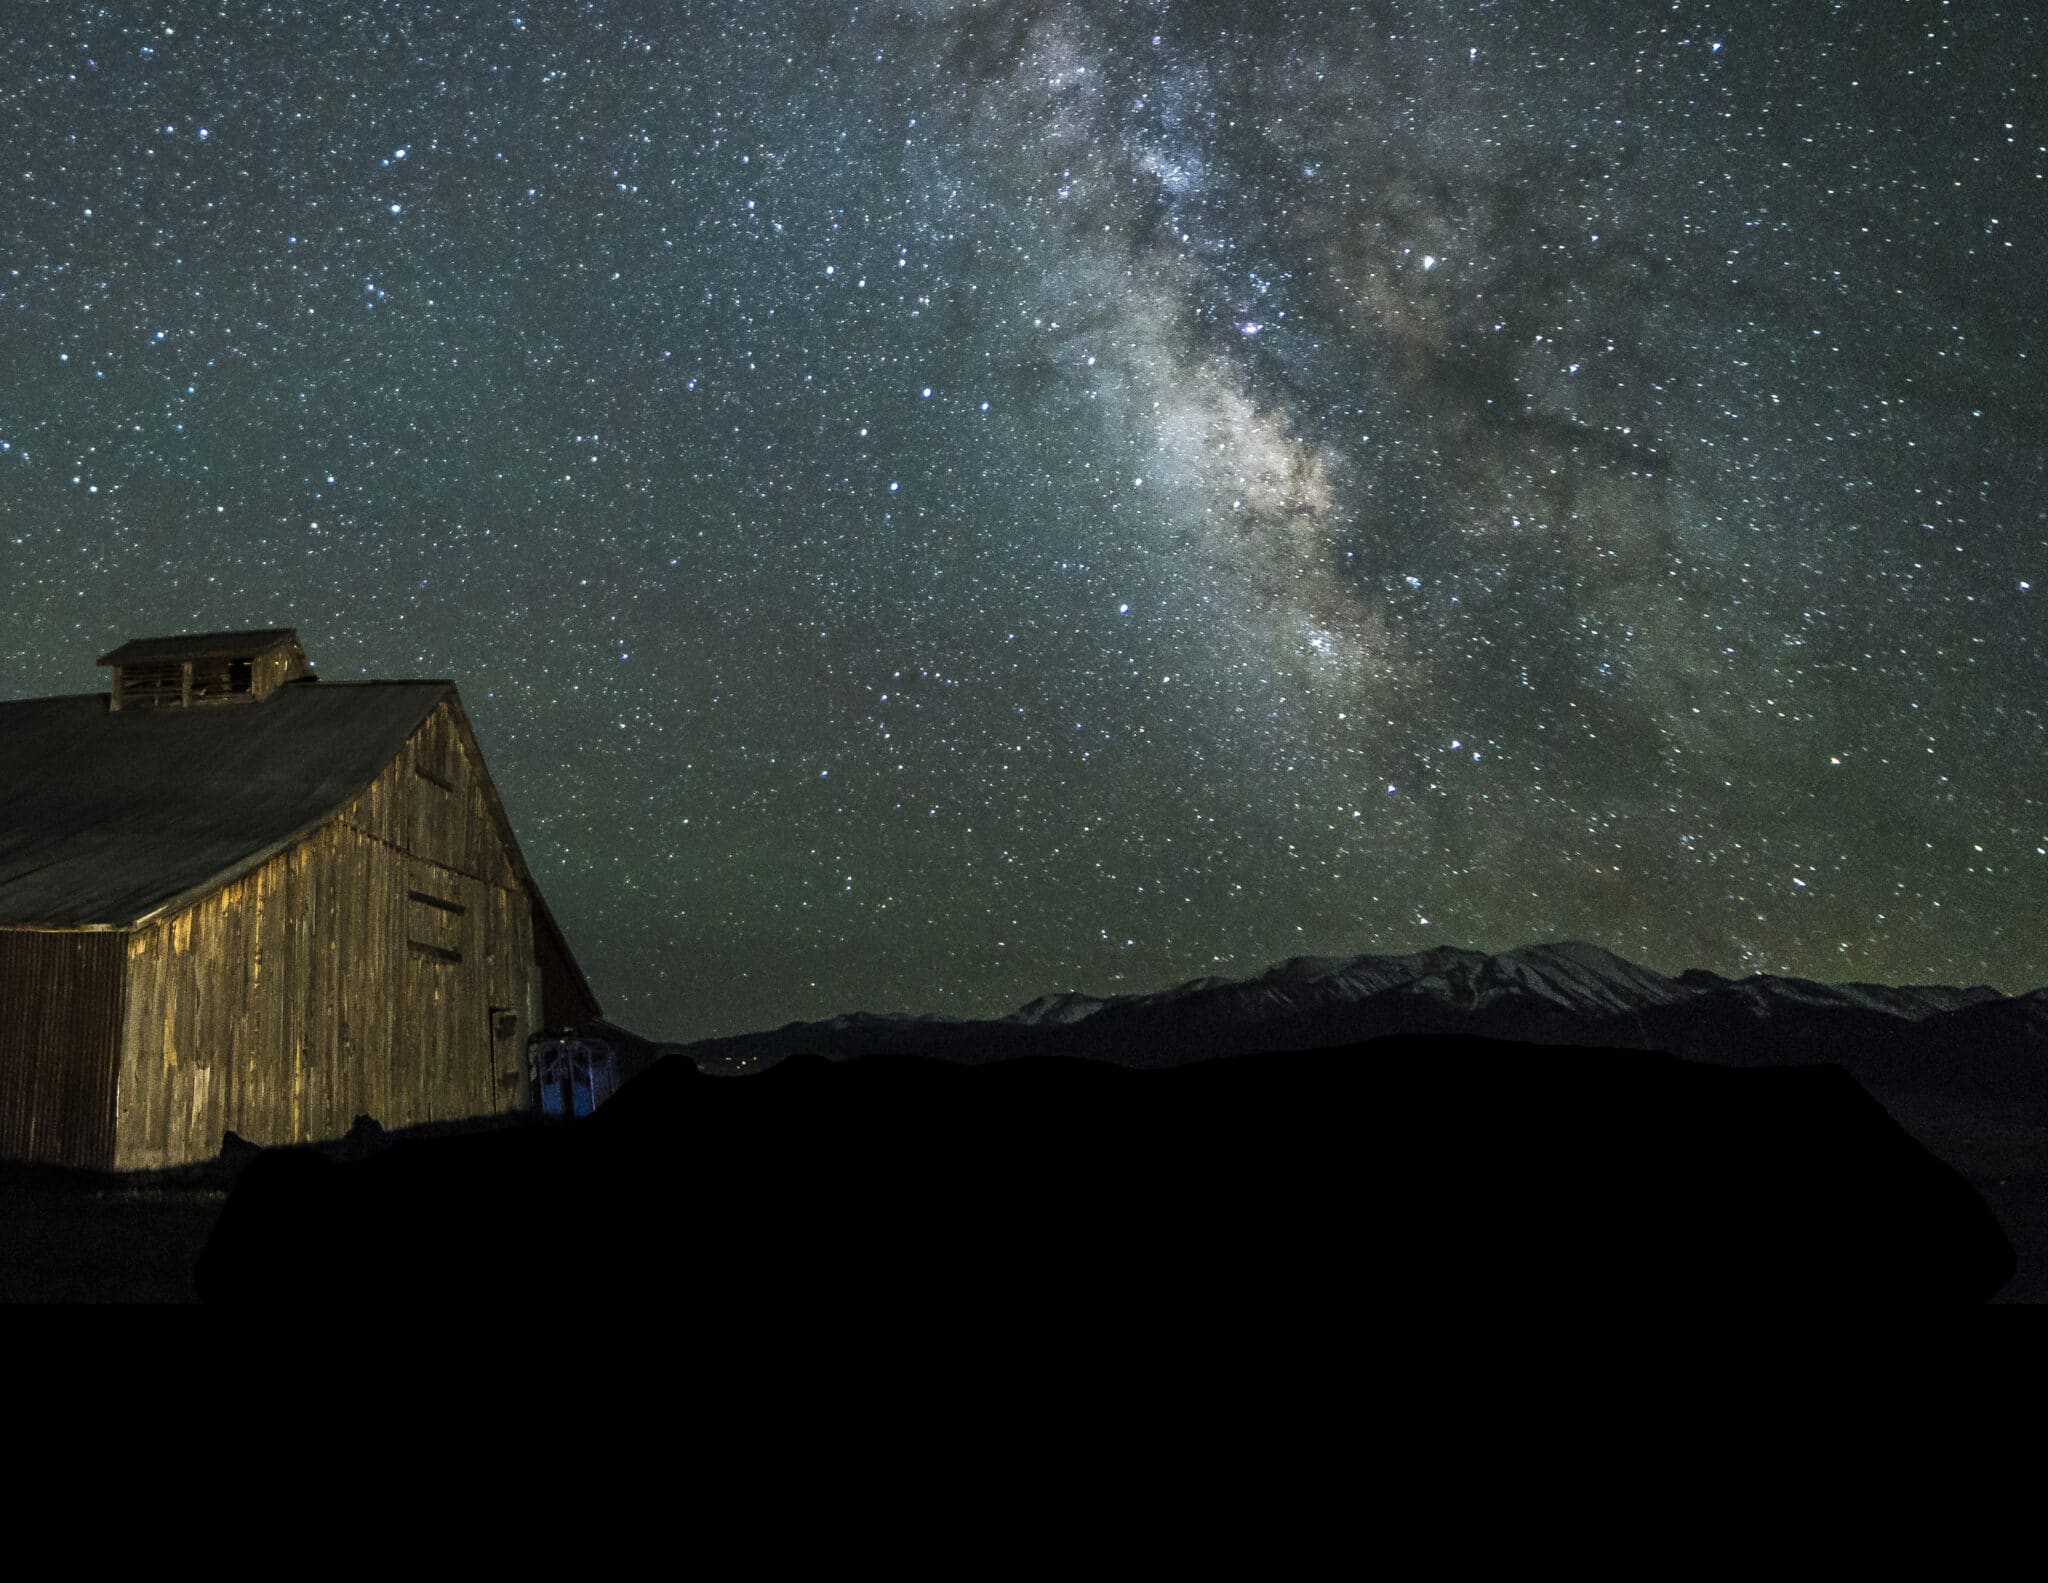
(202, 646)
(106, 816)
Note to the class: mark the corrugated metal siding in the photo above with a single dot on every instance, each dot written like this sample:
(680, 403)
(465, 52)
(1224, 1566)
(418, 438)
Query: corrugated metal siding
(60, 1023)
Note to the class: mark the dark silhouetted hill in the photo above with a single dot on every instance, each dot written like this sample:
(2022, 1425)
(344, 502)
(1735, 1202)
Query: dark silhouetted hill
(1963, 1069)
(1278, 1195)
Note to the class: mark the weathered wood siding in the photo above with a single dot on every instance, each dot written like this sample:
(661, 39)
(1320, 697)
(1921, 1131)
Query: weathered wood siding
(430, 803)
(367, 970)
(280, 665)
(60, 1022)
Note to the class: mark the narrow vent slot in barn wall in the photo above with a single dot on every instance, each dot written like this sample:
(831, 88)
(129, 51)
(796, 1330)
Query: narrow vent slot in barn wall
(436, 926)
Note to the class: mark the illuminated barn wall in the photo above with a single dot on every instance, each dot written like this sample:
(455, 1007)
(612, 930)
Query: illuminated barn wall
(384, 966)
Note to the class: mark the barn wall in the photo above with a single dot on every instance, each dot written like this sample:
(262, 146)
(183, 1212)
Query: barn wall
(272, 670)
(430, 803)
(362, 972)
(60, 1019)
(565, 1000)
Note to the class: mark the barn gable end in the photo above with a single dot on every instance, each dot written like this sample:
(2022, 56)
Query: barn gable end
(443, 755)
(430, 802)
(390, 972)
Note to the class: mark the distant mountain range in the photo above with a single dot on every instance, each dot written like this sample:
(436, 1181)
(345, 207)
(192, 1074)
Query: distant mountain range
(1564, 993)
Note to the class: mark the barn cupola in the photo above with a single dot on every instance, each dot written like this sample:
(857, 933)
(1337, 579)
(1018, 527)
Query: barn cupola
(205, 668)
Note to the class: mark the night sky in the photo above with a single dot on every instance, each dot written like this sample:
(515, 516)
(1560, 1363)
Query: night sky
(930, 504)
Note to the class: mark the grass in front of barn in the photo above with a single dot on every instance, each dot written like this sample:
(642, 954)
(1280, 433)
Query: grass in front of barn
(71, 1244)
(135, 1236)
(101, 1237)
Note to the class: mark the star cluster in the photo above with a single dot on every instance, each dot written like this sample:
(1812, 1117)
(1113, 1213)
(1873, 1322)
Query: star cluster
(930, 503)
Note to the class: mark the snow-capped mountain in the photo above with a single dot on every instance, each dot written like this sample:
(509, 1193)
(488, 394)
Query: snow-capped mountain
(1570, 976)
(1568, 991)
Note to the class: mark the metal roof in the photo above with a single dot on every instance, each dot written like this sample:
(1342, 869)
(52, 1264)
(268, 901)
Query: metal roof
(107, 816)
(202, 646)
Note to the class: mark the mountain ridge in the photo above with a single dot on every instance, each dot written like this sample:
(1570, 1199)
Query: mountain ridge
(1546, 992)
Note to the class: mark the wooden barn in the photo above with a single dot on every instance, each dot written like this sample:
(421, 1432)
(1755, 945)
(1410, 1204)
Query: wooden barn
(235, 897)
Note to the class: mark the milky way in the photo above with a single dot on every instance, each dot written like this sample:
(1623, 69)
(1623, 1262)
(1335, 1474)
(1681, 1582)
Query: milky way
(934, 503)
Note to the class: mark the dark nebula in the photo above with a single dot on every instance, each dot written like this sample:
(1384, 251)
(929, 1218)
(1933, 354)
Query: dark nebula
(933, 503)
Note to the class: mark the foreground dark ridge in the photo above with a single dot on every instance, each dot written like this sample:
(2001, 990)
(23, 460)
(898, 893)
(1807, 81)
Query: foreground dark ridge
(890, 1196)
(1963, 1070)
